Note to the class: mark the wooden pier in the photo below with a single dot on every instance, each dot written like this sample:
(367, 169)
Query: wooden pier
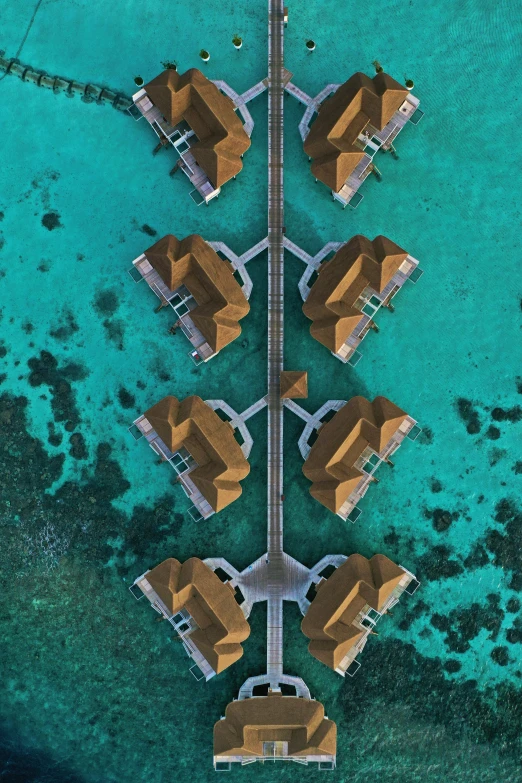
(275, 565)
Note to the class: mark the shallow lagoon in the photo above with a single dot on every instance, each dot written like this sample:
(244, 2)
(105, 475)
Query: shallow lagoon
(92, 688)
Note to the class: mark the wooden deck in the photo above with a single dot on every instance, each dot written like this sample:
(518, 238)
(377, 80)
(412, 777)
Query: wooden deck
(385, 296)
(364, 484)
(166, 455)
(162, 129)
(173, 299)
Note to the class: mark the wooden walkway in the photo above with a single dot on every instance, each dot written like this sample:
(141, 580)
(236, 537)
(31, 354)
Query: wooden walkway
(312, 104)
(297, 251)
(275, 572)
(301, 96)
(255, 250)
(253, 92)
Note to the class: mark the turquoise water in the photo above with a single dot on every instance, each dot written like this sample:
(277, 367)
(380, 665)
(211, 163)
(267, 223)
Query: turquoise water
(92, 689)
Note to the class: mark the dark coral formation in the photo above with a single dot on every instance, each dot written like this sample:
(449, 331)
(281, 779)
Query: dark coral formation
(106, 302)
(469, 415)
(127, 400)
(115, 332)
(442, 519)
(81, 514)
(403, 678)
(45, 371)
(66, 330)
(506, 547)
(437, 563)
(417, 610)
(463, 625)
(511, 414)
(477, 558)
(500, 655)
(435, 485)
(78, 448)
(51, 220)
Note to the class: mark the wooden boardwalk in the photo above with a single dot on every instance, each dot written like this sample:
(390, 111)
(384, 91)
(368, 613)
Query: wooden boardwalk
(301, 96)
(297, 251)
(255, 250)
(275, 566)
(253, 92)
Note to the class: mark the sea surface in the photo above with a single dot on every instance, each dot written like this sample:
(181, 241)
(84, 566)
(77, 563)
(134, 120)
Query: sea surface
(92, 689)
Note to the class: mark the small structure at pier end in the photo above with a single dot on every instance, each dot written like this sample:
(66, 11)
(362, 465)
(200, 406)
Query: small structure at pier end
(274, 728)
(201, 448)
(361, 277)
(294, 385)
(190, 277)
(189, 112)
(361, 117)
(350, 447)
(348, 605)
(202, 610)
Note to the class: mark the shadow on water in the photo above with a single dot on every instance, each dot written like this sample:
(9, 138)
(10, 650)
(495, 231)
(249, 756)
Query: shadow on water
(19, 764)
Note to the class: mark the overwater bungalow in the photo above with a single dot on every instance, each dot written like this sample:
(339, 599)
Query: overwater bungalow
(348, 605)
(202, 610)
(362, 277)
(190, 113)
(274, 728)
(342, 462)
(361, 117)
(190, 277)
(201, 448)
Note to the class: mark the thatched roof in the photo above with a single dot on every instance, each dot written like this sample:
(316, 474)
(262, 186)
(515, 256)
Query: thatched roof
(329, 620)
(194, 98)
(210, 602)
(210, 280)
(330, 465)
(357, 264)
(194, 425)
(294, 385)
(359, 103)
(250, 722)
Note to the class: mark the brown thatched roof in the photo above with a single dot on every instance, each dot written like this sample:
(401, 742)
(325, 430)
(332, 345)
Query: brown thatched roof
(329, 620)
(359, 103)
(194, 98)
(357, 264)
(194, 425)
(250, 722)
(294, 385)
(210, 280)
(330, 465)
(210, 602)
